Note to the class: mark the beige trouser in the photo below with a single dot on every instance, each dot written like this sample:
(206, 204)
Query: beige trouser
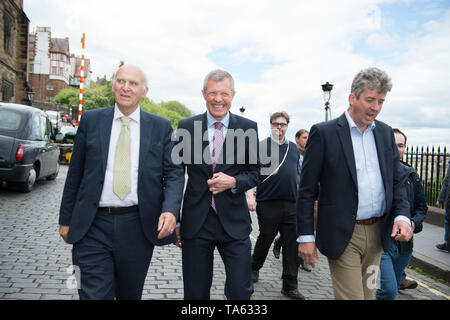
(354, 273)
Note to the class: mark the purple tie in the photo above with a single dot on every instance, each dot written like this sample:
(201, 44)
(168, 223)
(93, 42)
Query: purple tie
(217, 147)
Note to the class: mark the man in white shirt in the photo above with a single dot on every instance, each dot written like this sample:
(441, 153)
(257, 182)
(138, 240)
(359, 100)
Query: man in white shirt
(351, 167)
(122, 194)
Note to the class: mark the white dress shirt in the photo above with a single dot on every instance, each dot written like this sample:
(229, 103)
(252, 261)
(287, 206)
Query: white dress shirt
(108, 197)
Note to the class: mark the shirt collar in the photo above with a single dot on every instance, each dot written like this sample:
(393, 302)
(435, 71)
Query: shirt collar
(211, 120)
(352, 123)
(136, 115)
(286, 141)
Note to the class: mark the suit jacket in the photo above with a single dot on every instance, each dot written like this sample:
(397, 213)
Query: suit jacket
(160, 181)
(232, 208)
(329, 175)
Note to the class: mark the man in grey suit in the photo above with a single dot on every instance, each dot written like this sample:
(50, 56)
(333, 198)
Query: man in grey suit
(122, 194)
(351, 167)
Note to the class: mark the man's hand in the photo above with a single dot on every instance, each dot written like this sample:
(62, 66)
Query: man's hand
(251, 202)
(401, 231)
(308, 252)
(221, 182)
(166, 224)
(178, 243)
(438, 204)
(63, 232)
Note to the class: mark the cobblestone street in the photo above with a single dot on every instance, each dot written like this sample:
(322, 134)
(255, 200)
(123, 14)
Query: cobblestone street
(35, 263)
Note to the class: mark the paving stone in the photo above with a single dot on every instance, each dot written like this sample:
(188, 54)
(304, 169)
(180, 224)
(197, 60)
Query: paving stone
(34, 260)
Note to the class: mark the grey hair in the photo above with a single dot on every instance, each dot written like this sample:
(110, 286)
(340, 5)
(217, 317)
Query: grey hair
(135, 66)
(372, 78)
(218, 75)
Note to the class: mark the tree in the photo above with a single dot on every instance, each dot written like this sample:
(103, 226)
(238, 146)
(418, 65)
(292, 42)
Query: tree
(100, 96)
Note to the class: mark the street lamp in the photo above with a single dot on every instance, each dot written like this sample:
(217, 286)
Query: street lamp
(326, 88)
(242, 110)
(70, 112)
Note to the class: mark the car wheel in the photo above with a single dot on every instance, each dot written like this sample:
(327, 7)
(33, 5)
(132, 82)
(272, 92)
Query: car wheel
(28, 184)
(53, 176)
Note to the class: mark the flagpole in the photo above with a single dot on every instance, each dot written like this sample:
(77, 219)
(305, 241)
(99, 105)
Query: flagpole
(80, 104)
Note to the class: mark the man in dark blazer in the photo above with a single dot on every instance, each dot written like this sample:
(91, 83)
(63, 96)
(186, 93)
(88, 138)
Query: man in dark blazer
(221, 158)
(113, 232)
(351, 167)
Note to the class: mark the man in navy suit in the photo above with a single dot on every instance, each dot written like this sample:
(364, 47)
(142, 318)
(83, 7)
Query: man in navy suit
(118, 204)
(221, 158)
(351, 167)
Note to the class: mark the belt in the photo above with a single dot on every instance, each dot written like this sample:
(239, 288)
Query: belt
(370, 221)
(119, 210)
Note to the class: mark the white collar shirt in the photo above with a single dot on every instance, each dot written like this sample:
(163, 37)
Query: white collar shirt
(108, 197)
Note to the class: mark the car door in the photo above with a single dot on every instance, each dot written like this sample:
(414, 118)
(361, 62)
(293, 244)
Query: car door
(52, 148)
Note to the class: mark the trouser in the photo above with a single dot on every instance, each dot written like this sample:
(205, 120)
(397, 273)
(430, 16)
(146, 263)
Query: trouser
(113, 258)
(354, 274)
(198, 261)
(392, 267)
(278, 216)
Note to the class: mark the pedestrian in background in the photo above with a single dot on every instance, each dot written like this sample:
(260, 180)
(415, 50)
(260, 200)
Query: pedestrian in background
(276, 197)
(444, 199)
(301, 138)
(394, 261)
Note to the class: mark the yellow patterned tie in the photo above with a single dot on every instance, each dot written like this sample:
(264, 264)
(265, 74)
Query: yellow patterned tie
(122, 162)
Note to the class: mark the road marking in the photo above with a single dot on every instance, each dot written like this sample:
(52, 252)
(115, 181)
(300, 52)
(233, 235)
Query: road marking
(436, 292)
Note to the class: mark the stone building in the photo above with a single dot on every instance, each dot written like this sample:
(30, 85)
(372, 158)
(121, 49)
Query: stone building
(14, 25)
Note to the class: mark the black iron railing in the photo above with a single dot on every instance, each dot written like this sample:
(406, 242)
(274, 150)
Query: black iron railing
(431, 165)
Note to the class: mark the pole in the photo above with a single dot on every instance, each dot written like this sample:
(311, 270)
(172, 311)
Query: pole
(80, 104)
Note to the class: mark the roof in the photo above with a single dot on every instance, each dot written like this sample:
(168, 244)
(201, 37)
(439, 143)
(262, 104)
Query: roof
(19, 107)
(60, 45)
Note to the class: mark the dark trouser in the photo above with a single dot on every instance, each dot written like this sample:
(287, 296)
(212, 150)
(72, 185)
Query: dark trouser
(113, 257)
(277, 243)
(198, 260)
(278, 216)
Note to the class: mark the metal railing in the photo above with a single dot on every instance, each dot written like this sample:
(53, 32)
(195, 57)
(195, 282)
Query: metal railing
(431, 165)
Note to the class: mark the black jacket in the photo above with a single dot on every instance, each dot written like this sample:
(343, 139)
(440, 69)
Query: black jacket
(417, 202)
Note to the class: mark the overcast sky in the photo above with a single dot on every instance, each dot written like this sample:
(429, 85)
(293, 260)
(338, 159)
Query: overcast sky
(279, 52)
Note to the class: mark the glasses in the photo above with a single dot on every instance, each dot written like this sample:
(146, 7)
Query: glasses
(214, 94)
(279, 124)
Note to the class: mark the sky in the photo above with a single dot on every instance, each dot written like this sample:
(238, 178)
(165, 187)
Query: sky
(279, 53)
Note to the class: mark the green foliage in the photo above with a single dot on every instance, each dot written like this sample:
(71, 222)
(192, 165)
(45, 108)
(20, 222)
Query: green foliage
(100, 96)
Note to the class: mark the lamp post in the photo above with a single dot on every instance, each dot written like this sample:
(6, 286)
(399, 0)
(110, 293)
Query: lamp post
(242, 110)
(70, 112)
(326, 88)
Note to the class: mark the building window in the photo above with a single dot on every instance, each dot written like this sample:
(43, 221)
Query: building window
(54, 70)
(49, 98)
(50, 87)
(8, 23)
(7, 90)
(61, 71)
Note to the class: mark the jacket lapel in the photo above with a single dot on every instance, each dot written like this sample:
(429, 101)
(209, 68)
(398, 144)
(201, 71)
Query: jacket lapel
(378, 135)
(104, 128)
(343, 131)
(145, 139)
